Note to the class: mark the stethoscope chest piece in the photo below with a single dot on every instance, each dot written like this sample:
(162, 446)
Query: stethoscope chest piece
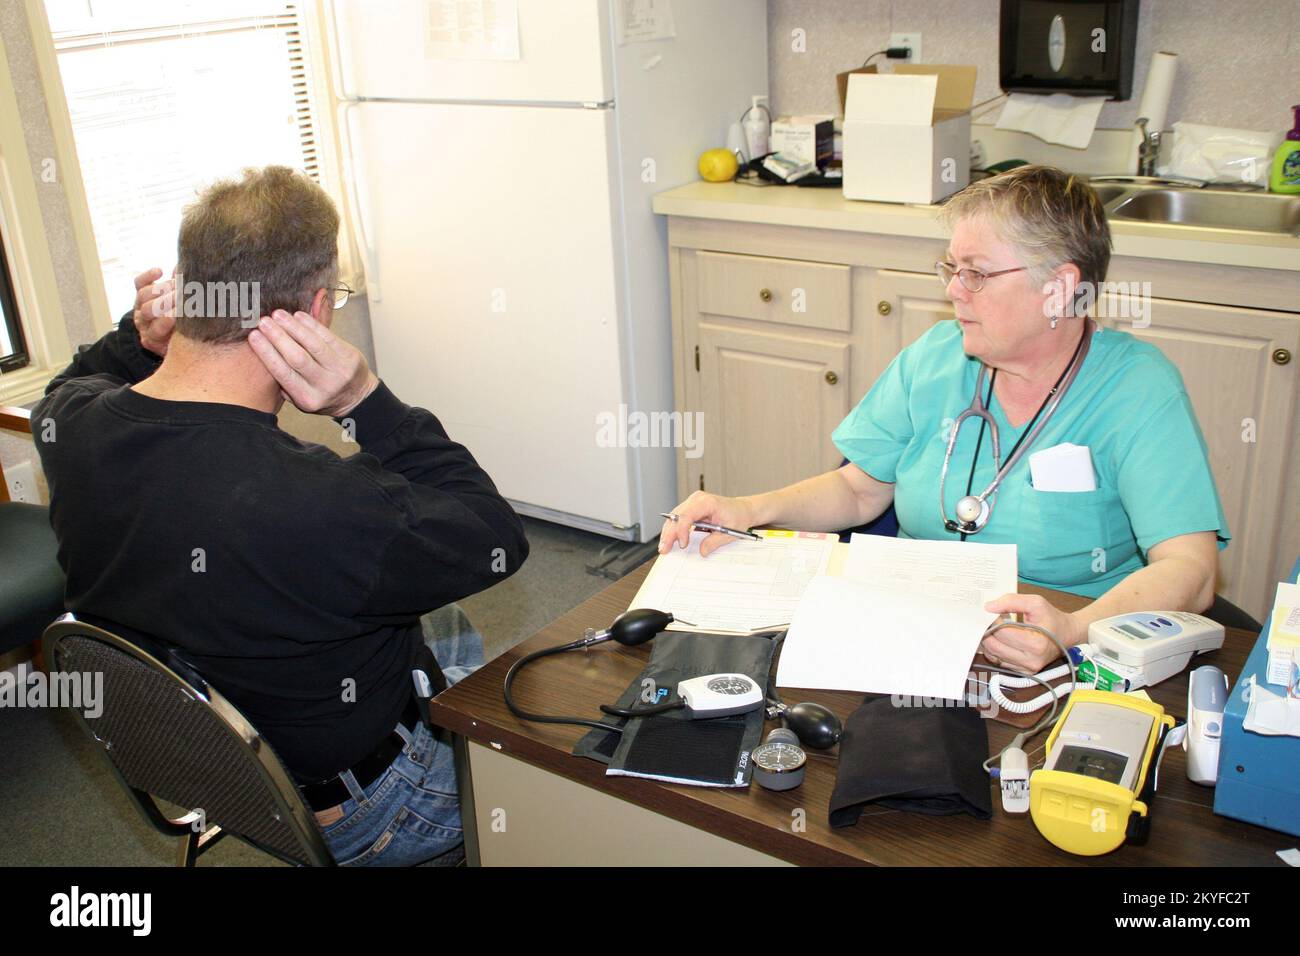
(972, 511)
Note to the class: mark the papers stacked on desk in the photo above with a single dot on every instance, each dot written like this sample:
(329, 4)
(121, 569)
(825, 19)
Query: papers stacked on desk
(902, 616)
(905, 618)
(742, 587)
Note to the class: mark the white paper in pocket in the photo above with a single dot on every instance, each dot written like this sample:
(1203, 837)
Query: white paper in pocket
(1063, 467)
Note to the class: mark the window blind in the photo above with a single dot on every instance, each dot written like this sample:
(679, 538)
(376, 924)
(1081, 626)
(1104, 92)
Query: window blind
(166, 97)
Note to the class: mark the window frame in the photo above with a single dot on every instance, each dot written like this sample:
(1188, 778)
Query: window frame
(30, 262)
(19, 358)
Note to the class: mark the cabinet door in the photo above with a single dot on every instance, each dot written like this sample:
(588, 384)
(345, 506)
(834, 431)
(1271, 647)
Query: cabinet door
(770, 402)
(903, 306)
(1245, 398)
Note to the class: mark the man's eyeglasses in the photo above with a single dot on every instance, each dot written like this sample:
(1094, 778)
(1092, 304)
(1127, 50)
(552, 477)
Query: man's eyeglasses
(972, 279)
(341, 296)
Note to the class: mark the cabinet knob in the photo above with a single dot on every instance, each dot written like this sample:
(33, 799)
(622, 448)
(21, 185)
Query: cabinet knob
(1281, 356)
(883, 307)
(831, 378)
(765, 295)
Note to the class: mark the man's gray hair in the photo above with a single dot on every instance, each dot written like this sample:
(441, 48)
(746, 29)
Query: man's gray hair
(274, 232)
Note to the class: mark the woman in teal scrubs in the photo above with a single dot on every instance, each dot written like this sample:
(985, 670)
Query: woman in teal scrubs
(1026, 247)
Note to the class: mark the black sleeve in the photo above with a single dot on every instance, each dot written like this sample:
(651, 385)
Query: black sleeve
(456, 535)
(118, 354)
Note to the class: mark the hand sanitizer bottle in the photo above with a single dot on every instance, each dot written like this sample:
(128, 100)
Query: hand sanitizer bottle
(1285, 177)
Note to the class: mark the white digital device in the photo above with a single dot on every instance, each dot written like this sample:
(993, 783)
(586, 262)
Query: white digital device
(1097, 738)
(719, 695)
(1146, 647)
(1207, 695)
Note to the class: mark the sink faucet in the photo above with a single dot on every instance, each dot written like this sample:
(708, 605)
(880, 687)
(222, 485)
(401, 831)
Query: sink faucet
(1149, 148)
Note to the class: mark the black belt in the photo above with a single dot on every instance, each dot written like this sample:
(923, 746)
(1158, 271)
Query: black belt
(332, 792)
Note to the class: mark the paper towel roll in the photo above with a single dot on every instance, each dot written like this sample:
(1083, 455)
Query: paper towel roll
(1155, 99)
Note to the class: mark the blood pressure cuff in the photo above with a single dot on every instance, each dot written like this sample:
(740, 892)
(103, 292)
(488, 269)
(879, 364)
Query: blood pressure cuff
(671, 746)
(921, 759)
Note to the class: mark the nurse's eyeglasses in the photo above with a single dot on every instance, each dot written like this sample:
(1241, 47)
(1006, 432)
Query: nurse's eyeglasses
(972, 279)
(341, 295)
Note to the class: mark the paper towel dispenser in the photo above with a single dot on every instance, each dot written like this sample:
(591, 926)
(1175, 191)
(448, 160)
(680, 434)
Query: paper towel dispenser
(1084, 47)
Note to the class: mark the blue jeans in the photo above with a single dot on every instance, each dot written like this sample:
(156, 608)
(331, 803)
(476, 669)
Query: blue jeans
(411, 813)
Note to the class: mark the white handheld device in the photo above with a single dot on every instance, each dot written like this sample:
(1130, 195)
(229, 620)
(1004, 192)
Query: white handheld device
(1207, 695)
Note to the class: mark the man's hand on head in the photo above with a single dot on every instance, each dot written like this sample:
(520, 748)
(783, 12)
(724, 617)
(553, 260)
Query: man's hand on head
(318, 371)
(155, 310)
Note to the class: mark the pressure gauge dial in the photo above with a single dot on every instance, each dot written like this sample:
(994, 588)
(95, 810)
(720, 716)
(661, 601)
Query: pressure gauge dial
(779, 761)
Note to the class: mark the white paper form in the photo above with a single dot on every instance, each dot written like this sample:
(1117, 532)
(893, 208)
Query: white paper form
(741, 587)
(906, 618)
(956, 570)
(471, 30)
(640, 21)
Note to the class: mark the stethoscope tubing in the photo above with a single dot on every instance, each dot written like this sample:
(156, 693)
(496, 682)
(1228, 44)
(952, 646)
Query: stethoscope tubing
(978, 409)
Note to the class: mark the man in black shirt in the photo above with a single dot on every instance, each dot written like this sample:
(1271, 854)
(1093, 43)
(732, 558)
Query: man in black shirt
(300, 584)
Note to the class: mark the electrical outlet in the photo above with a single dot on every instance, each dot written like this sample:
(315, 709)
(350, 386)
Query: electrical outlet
(21, 480)
(912, 40)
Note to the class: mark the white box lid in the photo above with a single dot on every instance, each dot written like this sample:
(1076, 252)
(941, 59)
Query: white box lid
(911, 96)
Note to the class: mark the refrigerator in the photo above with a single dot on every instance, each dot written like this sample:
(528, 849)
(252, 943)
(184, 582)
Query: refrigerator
(517, 277)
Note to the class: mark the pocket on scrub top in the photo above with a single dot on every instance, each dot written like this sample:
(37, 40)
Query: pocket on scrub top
(1072, 537)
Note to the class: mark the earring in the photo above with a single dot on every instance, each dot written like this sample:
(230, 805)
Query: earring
(1055, 319)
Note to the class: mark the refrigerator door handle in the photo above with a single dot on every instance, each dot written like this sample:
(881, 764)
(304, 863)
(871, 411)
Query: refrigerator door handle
(352, 173)
(335, 52)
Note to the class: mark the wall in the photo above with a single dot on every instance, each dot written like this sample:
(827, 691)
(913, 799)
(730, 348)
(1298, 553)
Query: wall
(26, 81)
(1246, 78)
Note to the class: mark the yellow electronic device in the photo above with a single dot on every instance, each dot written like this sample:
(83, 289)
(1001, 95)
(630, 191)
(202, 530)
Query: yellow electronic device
(1095, 787)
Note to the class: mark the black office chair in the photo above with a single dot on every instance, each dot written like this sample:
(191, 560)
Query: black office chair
(167, 733)
(31, 581)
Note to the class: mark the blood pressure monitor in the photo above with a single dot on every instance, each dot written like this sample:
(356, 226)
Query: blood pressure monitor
(720, 695)
(1146, 647)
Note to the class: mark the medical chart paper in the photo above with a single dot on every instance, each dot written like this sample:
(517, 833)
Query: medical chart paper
(741, 587)
(957, 570)
(905, 617)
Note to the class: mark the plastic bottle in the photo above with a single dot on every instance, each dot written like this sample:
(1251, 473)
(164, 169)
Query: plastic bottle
(1285, 177)
(758, 127)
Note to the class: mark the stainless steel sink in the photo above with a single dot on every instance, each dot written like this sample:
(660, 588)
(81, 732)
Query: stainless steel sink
(1144, 199)
(1107, 193)
(1209, 208)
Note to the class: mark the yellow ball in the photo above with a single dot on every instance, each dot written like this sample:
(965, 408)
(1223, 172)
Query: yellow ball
(718, 165)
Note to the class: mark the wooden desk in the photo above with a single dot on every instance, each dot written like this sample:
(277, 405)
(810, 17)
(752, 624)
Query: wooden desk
(528, 800)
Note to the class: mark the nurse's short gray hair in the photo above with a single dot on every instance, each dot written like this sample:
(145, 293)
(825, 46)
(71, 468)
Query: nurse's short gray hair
(1050, 217)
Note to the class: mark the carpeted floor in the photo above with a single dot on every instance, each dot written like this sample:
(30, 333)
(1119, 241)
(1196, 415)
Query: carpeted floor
(60, 806)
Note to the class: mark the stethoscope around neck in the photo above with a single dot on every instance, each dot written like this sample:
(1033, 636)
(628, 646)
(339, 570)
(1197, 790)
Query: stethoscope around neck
(974, 511)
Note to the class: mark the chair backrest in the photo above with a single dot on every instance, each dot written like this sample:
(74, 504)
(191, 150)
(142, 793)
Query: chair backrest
(167, 733)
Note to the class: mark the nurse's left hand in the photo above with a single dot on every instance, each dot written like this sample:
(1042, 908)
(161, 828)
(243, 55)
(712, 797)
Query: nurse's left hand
(1022, 649)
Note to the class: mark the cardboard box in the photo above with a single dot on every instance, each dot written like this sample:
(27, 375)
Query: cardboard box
(907, 133)
(809, 139)
(842, 83)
